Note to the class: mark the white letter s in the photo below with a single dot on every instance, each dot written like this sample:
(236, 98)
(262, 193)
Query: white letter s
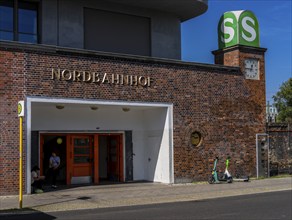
(249, 29)
(227, 30)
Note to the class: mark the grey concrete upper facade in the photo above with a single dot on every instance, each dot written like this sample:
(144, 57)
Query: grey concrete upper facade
(63, 24)
(183, 9)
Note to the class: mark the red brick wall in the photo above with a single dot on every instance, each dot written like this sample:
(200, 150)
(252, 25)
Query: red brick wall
(11, 91)
(216, 101)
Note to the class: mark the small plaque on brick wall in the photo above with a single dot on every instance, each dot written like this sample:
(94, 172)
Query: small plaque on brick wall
(196, 138)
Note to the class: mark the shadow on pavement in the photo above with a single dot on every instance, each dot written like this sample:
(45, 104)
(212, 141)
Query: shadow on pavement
(102, 184)
(24, 214)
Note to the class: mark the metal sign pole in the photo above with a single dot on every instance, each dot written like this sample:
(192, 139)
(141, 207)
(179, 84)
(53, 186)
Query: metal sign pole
(20, 115)
(20, 163)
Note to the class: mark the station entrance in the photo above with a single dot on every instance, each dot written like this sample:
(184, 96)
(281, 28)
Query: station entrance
(111, 143)
(85, 158)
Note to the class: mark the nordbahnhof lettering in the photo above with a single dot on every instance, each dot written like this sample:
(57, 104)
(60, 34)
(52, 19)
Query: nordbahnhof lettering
(100, 78)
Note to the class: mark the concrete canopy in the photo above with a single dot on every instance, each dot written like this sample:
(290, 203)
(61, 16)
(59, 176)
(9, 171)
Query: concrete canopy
(184, 9)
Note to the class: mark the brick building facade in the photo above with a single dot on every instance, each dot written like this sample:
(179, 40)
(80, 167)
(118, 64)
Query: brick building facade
(103, 87)
(215, 101)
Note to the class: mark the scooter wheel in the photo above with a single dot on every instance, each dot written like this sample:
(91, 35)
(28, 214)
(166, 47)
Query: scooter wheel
(229, 180)
(246, 179)
(211, 179)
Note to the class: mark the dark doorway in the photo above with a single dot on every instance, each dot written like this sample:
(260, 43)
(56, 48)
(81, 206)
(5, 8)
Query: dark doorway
(57, 144)
(110, 158)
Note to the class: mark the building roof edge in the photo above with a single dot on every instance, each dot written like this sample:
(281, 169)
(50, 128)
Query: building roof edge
(18, 46)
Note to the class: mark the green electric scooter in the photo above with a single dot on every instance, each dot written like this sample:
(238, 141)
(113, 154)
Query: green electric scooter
(214, 176)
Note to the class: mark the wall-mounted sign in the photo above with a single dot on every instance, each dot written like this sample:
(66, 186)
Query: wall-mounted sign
(20, 109)
(100, 78)
(196, 138)
(238, 27)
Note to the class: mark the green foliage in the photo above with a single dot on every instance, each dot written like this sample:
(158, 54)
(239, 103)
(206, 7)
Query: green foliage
(283, 101)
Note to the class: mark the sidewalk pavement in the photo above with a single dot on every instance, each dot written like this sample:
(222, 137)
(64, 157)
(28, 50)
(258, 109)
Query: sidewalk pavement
(129, 194)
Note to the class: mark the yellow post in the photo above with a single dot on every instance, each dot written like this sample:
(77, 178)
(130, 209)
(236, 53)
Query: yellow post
(20, 110)
(20, 163)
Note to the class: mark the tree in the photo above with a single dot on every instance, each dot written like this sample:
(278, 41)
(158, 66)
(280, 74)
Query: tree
(283, 101)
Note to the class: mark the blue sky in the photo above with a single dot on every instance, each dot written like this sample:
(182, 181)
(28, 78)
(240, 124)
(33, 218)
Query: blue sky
(199, 36)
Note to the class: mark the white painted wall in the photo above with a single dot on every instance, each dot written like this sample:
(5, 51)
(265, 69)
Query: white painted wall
(150, 128)
(84, 119)
(157, 160)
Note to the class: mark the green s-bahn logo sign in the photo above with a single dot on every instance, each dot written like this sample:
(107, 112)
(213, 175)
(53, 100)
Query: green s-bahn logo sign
(238, 27)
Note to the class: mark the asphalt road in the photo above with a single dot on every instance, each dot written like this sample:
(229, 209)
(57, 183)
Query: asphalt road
(275, 205)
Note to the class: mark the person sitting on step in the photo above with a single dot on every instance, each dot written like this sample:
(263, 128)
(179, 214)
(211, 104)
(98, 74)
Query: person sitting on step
(37, 181)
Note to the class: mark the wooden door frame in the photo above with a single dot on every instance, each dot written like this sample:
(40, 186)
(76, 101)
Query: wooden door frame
(120, 151)
(69, 154)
